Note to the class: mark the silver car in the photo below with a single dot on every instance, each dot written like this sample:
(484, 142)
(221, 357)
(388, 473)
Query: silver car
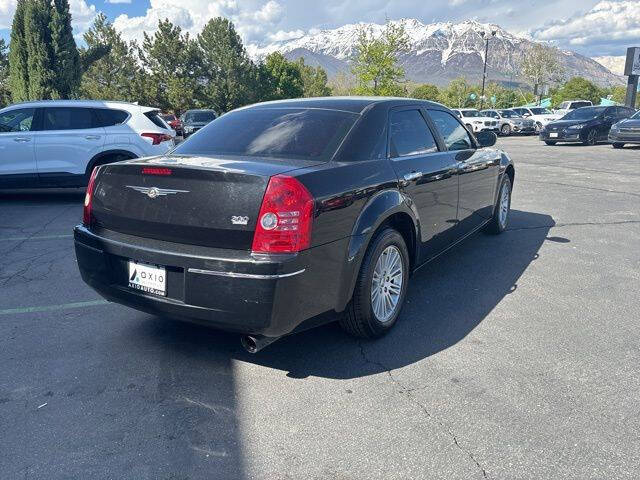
(510, 122)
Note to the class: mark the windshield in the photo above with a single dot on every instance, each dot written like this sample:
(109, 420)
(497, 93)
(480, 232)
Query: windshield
(585, 113)
(636, 115)
(470, 113)
(508, 114)
(540, 111)
(199, 117)
(309, 134)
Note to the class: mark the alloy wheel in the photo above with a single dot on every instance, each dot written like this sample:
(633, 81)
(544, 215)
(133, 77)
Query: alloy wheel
(386, 284)
(504, 206)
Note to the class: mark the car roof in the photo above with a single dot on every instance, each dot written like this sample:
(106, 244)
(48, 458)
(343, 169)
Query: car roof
(348, 104)
(80, 103)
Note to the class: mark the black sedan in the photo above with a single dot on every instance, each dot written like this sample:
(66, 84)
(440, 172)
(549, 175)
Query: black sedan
(275, 217)
(626, 132)
(586, 125)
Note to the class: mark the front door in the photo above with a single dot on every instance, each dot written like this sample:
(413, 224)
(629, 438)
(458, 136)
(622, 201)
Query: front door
(478, 171)
(427, 176)
(17, 158)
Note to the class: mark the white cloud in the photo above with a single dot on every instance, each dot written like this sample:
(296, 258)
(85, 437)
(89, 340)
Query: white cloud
(7, 7)
(82, 14)
(253, 19)
(610, 25)
(117, 1)
(281, 35)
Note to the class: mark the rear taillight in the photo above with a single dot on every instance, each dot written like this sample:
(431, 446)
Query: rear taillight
(157, 138)
(286, 214)
(88, 198)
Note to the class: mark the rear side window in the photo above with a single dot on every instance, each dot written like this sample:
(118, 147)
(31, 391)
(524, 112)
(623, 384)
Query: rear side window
(20, 120)
(312, 134)
(108, 118)
(155, 117)
(410, 134)
(580, 104)
(65, 118)
(454, 134)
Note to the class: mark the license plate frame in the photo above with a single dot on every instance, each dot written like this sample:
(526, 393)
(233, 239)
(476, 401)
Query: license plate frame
(147, 278)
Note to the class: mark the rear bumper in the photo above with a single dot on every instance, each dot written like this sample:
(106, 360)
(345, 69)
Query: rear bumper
(225, 289)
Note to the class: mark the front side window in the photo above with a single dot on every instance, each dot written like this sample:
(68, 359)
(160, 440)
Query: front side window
(309, 134)
(410, 134)
(19, 120)
(455, 135)
(65, 118)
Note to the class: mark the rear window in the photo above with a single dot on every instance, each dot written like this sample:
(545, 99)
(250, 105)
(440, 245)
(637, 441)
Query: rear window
(200, 116)
(155, 117)
(108, 118)
(311, 134)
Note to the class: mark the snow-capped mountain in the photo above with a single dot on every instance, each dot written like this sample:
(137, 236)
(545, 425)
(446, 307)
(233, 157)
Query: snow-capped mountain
(438, 52)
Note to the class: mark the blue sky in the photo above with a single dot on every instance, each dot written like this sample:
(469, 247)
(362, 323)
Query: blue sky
(590, 27)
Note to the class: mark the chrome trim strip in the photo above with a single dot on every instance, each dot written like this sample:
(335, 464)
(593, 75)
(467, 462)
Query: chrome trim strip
(244, 275)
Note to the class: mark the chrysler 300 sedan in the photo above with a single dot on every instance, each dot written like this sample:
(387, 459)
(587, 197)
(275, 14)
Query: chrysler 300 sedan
(277, 216)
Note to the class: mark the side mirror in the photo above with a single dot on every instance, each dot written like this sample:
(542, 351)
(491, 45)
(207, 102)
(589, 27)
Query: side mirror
(527, 115)
(486, 139)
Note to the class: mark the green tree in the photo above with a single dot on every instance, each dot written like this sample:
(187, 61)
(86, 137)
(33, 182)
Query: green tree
(170, 61)
(540, 66)
(114, 76)
(18, 70)
(376, 66)
(40, 59)
(577, 88)
(226, 70)
(66, 59)
(314, 80)
(280, 78)
(5, 95)
(458, 94)
(426, 92)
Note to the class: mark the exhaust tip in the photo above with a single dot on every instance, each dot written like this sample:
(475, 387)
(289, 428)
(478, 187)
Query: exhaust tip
(249, 343)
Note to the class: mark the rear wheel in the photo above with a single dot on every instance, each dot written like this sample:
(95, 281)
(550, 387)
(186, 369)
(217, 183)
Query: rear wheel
(618, 145)
(500, 219)
(380, 288)
(549, 142)
(506, 130)
(592, 138)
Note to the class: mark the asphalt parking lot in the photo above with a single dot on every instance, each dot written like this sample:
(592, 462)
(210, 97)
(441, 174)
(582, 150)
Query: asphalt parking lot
(516, 357)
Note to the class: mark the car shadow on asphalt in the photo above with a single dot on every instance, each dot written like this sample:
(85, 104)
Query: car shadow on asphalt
(447, 299)
(60, 196)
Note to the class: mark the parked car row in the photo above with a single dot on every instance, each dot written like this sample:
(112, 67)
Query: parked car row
(590, 125)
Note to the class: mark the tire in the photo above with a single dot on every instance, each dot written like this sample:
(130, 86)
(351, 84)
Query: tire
(116, 157)
(592, 138)
(506, 130)
(618, 145)
(549, 142)
(361, 319)
(500, 221)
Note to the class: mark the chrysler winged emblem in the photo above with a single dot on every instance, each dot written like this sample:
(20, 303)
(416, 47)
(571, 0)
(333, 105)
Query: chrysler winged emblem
(154, 192)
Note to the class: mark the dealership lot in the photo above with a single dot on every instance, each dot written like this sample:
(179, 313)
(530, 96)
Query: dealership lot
(516, 356)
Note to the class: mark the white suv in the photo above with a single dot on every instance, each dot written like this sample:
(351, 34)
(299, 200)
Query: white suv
(57, 143)
(475, 121)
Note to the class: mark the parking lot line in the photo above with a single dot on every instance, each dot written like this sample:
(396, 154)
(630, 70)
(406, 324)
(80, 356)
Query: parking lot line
(41, 237)
(49, 308)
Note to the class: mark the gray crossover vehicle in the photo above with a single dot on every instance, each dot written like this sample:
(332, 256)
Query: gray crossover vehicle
(625, 131)
(510, 122)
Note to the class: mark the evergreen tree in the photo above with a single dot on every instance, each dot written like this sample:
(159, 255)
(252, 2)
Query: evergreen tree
(18, 71)
(114, 76)
(314, 80)
(4, 75)
(170, 61)
(40, 58)
(66, 61)
(280, 78)
(226, 70)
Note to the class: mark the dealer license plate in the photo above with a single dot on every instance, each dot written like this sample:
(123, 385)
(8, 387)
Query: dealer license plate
(553, 135)
(148, 278)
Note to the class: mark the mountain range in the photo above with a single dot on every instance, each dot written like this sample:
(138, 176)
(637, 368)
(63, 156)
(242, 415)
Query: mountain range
(438, 53)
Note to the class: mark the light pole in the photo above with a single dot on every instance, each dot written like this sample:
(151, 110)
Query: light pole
(486, 55)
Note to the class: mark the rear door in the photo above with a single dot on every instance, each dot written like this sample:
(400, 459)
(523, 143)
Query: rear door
(69, 138)
(477, 170)
(17, 158)
(427, 175)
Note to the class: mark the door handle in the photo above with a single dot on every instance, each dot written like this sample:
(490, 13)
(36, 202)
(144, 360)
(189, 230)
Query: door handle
(21, 139)
(409, 177)
(92, 137)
